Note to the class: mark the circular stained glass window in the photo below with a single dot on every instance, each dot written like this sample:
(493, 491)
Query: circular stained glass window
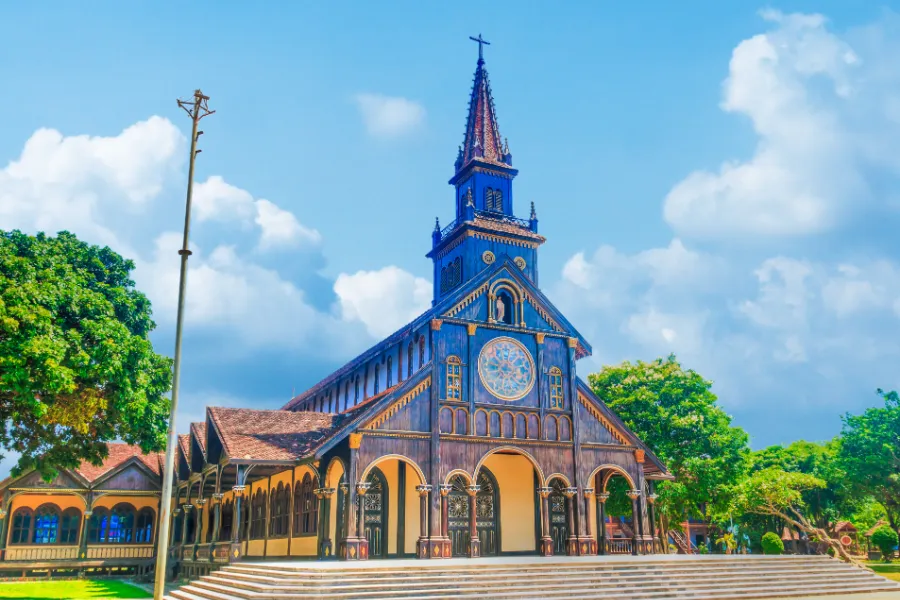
(506, 368)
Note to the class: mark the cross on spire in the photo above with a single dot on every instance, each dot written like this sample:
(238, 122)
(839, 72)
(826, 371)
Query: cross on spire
(481, 43)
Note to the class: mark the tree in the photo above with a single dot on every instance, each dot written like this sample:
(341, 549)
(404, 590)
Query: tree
(77, 368)
(778, 493)
(885, 539)
(674, 412)
(870, 453)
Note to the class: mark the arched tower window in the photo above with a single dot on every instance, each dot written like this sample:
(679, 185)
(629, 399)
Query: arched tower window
(454, 378)
(390, 372)
(498, 201)
(556, 388)
(489, 199)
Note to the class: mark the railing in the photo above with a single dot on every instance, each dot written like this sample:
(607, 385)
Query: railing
(221, 551)
(117, 551)
(187, 553)
(202, 552)
(42, 553)
(619, 546)
(490, 215)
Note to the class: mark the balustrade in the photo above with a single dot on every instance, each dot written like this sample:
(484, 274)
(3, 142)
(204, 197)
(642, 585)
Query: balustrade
(42, 553)
(619, 546)
(120, 551)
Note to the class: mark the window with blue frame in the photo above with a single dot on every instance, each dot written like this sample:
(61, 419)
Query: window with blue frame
(69, 524)
(143, 533)
(46, 525)
(556, 388)
(454, 378)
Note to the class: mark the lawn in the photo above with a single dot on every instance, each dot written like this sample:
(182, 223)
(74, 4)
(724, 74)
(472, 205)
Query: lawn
(82, 589)
(889, 570)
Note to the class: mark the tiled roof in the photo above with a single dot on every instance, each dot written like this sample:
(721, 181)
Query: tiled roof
(118, 454)
(199, 431)
(482, 136)
(273, 434)
(184, 442)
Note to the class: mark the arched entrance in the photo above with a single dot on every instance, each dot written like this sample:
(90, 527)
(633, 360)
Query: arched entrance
(559, 515)
(487, 506)
(376, 520)
(618, 530)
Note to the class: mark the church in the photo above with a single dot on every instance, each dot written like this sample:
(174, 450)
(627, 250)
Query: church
(466, 433)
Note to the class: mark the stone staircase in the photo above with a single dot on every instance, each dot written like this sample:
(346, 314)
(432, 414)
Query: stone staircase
(619, 578)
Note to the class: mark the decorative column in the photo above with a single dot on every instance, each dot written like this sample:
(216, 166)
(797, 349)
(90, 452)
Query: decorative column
(445, 489)
(83, 540)
(186, 508)
(601, 526)
(357, 547)
(546, 540)
(4, 524)
(589, 545)
(235, 550)
(635, 520)
(474, 541)
(651, 503)
(422, 542)
(351, 545)
(572, 540)
(217, 523)
(471, 374)
(326, 548)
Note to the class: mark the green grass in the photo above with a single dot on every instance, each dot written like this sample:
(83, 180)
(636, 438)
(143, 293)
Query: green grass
(890, 570)
(83, 589)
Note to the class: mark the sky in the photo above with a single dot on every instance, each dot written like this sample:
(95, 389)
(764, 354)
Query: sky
(717, 180)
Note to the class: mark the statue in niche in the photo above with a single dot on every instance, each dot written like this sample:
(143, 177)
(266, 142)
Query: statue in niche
(503, 308)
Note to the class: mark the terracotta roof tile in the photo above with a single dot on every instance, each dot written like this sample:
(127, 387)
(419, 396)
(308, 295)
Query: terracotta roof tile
(199, 431)
(118, 454)
(273, 434)
(184, 442)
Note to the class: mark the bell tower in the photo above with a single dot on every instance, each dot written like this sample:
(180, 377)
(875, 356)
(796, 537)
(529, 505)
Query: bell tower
(486, 229)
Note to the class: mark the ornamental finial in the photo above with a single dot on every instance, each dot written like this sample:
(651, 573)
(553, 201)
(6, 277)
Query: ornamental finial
(481, 44)
(437, 224)
(533, 212)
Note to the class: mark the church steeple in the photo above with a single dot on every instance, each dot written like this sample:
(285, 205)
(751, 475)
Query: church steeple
(485, 229)
(482, 139)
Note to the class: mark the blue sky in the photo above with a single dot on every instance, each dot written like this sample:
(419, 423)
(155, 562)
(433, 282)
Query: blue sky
(717, 180)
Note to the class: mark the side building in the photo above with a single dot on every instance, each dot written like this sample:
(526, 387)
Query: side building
(95, 519)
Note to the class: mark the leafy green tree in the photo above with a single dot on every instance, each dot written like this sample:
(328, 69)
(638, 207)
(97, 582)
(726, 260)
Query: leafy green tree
(77, 368)
(870, 453)
(824, 505)
(777, 493)
(676, 414)
(885, 539)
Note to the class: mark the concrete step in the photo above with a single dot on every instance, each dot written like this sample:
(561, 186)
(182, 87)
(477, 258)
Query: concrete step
(556, 589)
(274, 584)
(688, 578)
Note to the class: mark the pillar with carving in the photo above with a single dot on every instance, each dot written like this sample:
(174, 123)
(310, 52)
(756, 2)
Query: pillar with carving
(422, 542)
(601, 521)
(445, 490)
(635, 495)
(474, 540)
(326, 547)
(589, 544)
(546, 540)
(217, 523)
(572, 540)
(235, 550)
(651, 510)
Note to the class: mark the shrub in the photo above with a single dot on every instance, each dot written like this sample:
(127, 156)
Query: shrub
(885, 539)
(702, 549)
(772, 544)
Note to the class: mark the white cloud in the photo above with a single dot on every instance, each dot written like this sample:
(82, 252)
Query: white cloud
(382, 300)
(217, 200)
(387, 116)
(825, 111)
(73, 182)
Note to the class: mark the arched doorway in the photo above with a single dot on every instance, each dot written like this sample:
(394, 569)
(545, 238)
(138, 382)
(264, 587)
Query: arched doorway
(487, 507)
(559, 516)
(375, 502)
(617, 529)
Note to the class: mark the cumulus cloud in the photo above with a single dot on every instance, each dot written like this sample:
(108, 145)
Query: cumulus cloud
(825, 111)
(217, 200)
(388, 116)
(383, 300)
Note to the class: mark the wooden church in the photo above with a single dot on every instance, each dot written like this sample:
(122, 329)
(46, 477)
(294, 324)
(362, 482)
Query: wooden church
(466, 433)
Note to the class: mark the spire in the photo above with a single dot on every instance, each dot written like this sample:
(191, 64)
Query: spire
(482, 139)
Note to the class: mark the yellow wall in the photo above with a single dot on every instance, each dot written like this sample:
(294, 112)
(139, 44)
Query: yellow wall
(390, 469)
(515, 480)
(412, 510)
(138, 502)
(63, 501)
(334, 479)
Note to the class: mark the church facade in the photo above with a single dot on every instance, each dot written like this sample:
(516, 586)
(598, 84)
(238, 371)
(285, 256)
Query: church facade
(466, 433)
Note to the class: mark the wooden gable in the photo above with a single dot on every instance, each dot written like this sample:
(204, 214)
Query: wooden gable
(63, 480)
(131, 475)
(595, 426)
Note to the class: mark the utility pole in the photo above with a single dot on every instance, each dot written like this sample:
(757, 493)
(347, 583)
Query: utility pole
(196, 109)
